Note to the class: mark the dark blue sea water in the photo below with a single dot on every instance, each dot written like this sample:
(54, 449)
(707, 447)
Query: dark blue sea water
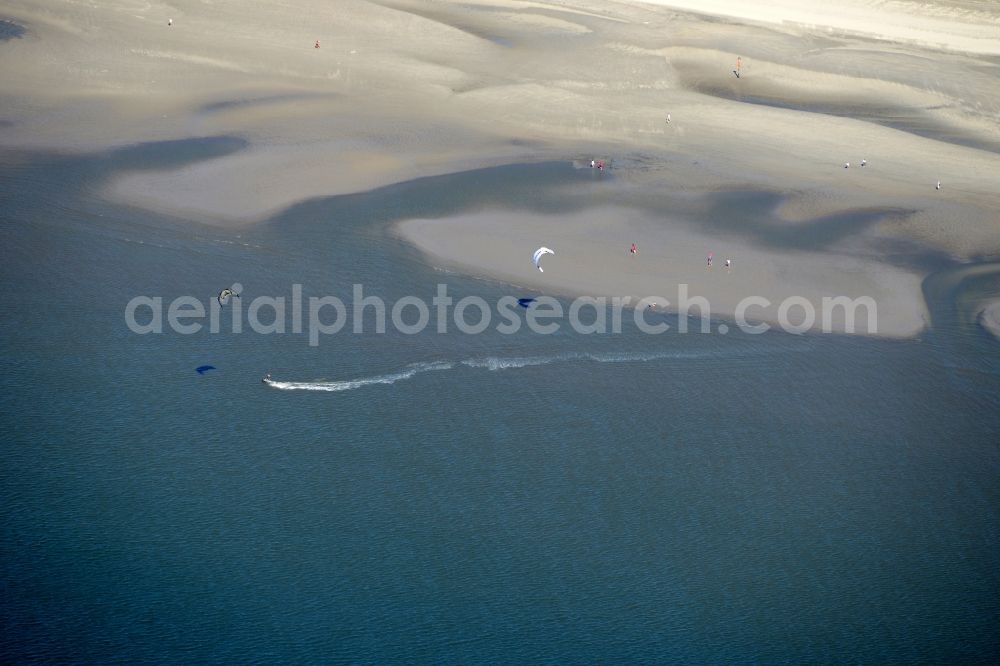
(524, 499)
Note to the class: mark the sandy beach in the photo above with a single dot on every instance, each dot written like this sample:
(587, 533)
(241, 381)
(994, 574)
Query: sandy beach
(406, 89)
(670, 258)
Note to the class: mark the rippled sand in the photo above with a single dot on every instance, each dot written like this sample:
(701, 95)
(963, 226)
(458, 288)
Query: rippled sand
(405, 89)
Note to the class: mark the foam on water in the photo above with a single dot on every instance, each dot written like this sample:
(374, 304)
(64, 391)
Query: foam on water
(491, 363)
(351, 384)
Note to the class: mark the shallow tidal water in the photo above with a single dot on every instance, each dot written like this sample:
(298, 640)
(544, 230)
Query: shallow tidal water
(521, 498)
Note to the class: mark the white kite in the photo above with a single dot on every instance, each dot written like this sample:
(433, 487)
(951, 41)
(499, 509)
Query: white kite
(225, 295)
(538, 257)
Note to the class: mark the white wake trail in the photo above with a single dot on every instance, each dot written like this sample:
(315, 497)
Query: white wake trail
(491, 363)
(351, 384)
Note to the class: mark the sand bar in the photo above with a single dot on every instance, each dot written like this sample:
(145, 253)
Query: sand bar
(403, 89)
(592, 258)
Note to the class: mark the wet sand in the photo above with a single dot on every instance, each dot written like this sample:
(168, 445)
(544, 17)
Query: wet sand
(989, 318)
(592, 258)
(405, 89)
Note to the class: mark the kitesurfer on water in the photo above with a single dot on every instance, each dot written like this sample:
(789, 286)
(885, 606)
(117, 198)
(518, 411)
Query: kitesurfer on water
(225, 294)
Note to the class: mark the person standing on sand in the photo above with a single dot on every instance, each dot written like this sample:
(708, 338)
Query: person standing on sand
(634, 249)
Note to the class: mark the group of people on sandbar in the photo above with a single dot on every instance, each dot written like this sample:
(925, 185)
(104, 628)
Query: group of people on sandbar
(847, 165)
(711, 256)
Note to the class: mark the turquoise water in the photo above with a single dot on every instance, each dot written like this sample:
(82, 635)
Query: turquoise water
(524, 498)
